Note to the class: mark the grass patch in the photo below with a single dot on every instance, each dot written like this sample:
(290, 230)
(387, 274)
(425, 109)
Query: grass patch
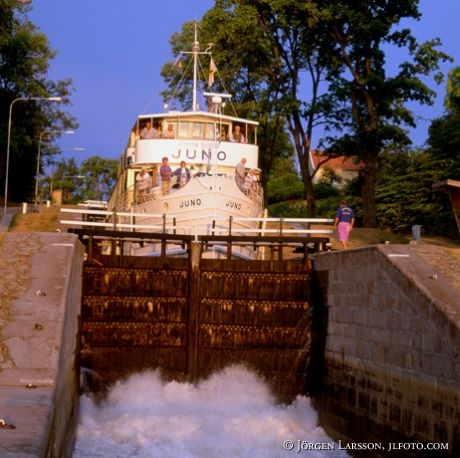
(46, 220)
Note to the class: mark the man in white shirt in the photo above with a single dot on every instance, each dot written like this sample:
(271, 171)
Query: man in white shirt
(143, 185)
(149, 132)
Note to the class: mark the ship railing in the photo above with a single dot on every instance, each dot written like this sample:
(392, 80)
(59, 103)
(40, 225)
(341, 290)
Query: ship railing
(113, 220)
(226, 234)
(162, 223)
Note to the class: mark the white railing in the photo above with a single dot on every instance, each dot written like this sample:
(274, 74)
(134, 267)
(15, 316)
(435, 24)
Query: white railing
(163, 223)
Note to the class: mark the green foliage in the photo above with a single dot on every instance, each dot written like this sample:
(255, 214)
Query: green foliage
(444, 143)
(288, 209)
(101, 175)
(283, 183)
(328, 184)
(324, 190)
(327, 206)
(404, 196)
(452, 99)
(286, 187)
(93, 180)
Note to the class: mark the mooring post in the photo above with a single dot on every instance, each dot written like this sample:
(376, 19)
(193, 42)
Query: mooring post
(90, 248)
(193, 308)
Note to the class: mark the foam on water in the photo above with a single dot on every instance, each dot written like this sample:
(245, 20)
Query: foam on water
(231, 414)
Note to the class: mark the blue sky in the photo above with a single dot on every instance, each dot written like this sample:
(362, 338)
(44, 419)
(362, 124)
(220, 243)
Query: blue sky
(113, 50)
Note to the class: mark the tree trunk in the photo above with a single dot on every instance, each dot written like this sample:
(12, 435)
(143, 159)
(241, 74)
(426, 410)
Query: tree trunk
(368, 190)
(309, 195)
(310, 199)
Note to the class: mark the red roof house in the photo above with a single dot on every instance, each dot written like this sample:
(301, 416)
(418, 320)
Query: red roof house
(346, 167)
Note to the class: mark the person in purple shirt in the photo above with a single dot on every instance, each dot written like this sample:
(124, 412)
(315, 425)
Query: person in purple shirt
(344, 220)
(165, 174)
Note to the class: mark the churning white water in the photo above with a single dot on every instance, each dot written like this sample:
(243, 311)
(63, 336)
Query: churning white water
(231, 414)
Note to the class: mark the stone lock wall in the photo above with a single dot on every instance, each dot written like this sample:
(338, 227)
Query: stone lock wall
(391, 363)
(40, 286)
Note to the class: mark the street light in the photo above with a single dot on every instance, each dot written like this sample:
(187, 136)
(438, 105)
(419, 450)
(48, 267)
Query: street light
(38, 99)
(37, 176)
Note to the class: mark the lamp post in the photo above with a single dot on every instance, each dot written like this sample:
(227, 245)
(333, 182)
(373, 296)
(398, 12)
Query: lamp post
(38, 99)
(37, 176)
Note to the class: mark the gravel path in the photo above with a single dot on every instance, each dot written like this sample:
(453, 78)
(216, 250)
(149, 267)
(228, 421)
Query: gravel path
(445, 259)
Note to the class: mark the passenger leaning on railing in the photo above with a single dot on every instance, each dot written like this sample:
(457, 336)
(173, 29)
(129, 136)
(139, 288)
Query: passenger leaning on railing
(169, 132)
(183, 174)
(237, 136)
(251, 185)
(149, 132)
(143, 185)
(240, 173)
(165, 175)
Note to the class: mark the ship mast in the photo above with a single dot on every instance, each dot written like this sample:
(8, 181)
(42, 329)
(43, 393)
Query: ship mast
(195, 50)
(195, 53)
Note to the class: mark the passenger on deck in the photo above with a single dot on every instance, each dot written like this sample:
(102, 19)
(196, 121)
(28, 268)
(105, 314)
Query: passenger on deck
(237, 136)
(165, 174)
(240, 173)
(169, 132)
(149, 132)
(143, 185)
(251, 184)
(183, 174)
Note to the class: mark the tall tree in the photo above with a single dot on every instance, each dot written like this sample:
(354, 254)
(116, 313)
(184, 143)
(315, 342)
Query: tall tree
(371, 110)
(101, 175)
(275, 45)
(61, 180)
(24, 61)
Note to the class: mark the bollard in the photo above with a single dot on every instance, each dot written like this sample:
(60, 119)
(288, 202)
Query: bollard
(24, 207)
(416, 232)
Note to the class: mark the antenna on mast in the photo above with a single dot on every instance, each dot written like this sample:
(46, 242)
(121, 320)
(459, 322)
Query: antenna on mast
(196, 50)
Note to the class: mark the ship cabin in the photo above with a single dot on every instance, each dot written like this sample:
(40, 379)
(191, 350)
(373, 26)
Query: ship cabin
(195, 128)
(210, 143)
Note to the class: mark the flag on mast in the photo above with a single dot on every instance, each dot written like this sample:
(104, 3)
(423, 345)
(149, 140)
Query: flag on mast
(212, 70)
(178, 63)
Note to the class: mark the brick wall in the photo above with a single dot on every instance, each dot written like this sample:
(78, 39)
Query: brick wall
(391, 367)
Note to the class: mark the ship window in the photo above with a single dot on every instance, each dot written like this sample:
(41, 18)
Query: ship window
(198, 129)
(224, 132)
(184, 129)
(210, 130)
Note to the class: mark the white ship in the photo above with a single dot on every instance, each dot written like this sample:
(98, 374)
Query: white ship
(205, 200)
